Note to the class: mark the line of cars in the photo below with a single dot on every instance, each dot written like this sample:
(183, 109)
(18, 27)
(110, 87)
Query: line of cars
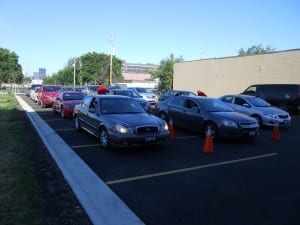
(129, 120)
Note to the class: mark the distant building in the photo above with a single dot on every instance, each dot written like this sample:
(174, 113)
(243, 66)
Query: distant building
(42, 73)
(138, 75)
(138, 67)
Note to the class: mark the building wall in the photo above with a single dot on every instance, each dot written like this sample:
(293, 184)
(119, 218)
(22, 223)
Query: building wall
(232, 75)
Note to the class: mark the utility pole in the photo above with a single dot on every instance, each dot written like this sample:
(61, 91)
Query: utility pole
(74, 65)
(111, 57)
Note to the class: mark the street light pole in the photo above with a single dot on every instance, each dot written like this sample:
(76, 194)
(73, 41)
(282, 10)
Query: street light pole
(74, 65)
(111, 57)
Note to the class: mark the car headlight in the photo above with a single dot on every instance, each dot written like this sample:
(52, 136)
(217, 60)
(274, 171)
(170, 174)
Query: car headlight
(123, 130)
(165, 126)
(271, 115)
(229, 123)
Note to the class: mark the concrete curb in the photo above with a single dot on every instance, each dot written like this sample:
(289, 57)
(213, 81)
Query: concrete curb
(101, 204)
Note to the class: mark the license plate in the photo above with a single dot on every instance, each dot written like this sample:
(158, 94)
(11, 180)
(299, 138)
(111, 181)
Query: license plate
(150, 139)
(252, 133)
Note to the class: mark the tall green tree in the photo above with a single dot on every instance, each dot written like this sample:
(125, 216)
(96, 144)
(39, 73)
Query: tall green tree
(256, 50)
(165, 73)
(10, 69)
(90, 68)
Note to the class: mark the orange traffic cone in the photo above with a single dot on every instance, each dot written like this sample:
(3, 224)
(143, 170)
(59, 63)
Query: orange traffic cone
(208, 143)
(275, 133)
(171, 129)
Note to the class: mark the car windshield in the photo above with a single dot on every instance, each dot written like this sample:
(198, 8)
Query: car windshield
(120, 106)
(144, 90)
(73, 96)
(258, 102)
(214, 105)
(51, 88)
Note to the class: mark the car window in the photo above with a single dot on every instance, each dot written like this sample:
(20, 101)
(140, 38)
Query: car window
(178, 102)
(73, 96)
(239, 101)
(227, 99)
(258, 102)
(214, 105)
(191, 104)
(120, 106)
(87, 101)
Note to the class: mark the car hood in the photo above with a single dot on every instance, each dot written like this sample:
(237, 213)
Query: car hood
(234, 116)
(135, 119)
(271, 110)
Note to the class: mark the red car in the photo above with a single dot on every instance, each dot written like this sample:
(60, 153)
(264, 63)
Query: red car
(47, 94)
(66, 101)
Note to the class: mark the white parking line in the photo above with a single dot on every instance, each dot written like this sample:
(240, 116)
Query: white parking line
(189, 169)
(83, 146)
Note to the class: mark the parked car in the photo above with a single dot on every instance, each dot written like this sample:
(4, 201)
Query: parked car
(168, 94)
(199, 113)
(132, 94)
(66, 101)
(119, 121)
(284, 96)
(90, 89)
(47, 94)
(147, 94)
(262, 111)
(34, 94)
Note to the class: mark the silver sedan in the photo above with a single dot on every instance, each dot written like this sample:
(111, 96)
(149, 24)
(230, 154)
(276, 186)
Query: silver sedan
(262, 111)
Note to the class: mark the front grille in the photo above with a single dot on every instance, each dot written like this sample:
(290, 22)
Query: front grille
(147, 130)
(283, 116)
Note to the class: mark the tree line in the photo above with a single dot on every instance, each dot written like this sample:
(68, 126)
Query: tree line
(92, 67)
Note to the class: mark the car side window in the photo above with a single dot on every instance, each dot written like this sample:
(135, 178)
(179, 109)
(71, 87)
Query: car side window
(87, 101)
(191, 104)
(239, 101)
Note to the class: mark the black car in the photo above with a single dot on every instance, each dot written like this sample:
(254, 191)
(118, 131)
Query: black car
(119, 121)
(199, 113)
(284, 96)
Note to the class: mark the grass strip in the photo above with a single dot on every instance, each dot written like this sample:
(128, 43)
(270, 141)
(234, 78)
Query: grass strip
(20, 201)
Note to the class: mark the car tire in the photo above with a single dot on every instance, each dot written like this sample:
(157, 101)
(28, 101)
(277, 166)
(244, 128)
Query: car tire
(77, 124)
(258, 119)
(62, 112)
(213, 128)
(104, 139)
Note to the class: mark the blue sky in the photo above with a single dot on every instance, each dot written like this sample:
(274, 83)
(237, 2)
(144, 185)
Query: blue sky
(47, 33)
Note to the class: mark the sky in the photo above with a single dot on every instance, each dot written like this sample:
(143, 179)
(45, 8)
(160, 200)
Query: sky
(48, 33)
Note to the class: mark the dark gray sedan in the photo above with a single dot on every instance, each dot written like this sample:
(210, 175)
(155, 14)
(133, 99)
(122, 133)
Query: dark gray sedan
(199, 113)
(119, 121)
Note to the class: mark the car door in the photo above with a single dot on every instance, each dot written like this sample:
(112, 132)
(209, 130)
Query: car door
(176, 111)
(93, 116)
(192, 115)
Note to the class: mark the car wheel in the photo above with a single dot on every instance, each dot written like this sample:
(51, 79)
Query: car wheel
(213, 129)
(77, 124)
(62, 112)
(258, 119)
(104, 139)
(53, 109)
(163, 116)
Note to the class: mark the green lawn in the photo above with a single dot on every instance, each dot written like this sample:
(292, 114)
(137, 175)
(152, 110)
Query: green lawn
(19, 195)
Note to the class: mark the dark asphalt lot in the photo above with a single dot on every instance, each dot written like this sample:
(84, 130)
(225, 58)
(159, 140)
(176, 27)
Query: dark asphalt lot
(242, 182)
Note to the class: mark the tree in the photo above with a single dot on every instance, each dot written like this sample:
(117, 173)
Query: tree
(10, 69)
(165, 73)
(256, 50)
(90, 68)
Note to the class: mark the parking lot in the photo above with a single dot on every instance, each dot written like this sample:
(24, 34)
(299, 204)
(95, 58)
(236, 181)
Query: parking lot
(242, 182)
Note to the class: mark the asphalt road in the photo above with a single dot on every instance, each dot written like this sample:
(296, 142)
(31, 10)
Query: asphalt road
(242, 182)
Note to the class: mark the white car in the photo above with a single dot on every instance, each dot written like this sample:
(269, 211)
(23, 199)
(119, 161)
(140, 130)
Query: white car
(258, 108)
(147, 94)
